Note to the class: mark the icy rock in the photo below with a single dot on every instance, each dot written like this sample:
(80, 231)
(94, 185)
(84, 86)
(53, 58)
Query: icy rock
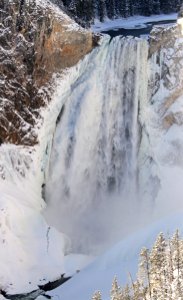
(36, 41)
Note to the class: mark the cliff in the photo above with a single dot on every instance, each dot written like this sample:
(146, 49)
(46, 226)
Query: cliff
(36, 41)
(161, 118)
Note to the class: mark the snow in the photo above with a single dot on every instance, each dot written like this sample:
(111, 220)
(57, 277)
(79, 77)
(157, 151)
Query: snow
(32, 252)
(135, 22)
(67, 22)
(180, 22)
(26, 257)
(119, 261)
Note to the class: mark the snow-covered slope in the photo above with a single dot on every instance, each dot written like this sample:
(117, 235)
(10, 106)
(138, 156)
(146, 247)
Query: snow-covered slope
(130, 22)
(37, 41)
(119, 261)
(31, 251)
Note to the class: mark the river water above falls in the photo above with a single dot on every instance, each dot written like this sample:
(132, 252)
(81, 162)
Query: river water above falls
(138, 31)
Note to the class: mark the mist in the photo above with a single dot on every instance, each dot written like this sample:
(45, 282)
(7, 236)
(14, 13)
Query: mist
(108, 175)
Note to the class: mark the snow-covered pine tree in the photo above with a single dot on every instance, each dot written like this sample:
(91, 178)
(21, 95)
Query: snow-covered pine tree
(83, 9)
(101, 10)
(131, 7)
(160, 275)
(138, 291)
(147, 7)
(156, 7)
(158, 269)
(144, 271)
(116, 292)
(110, 8)
(177, 263)
(97, 296)
(167, 6)
(128, 8)
(126, 293)
(178, 5)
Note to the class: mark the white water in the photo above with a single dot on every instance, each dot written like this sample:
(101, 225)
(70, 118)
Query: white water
(92, 185)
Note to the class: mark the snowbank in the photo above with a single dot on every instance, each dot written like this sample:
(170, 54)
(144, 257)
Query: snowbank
(119, 261)
(136, 22)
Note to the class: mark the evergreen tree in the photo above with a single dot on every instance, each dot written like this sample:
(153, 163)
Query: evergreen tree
(87, 10)
(177, 263)
(147, 7)
(110, 7)
(156, 7)
(167, 6)
(158, 269)
(101, 10)
(144, 269)
(160, 275)
(138, 291)
(126, 293)
(116, 292)
(97, 296)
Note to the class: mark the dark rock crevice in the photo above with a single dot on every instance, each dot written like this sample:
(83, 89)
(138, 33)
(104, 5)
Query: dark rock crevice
(39, 292)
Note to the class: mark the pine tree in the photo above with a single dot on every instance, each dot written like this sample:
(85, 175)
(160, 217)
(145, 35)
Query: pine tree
(156, 7)
(110, 8)
(158, 269)
(146, 7)
(101, 10)
(126, 293)
(138, 291)
(97, 296)
(167, 6)
(160, 275)
(144, 270)
(177, 262)
(178, 5)
(116, 292)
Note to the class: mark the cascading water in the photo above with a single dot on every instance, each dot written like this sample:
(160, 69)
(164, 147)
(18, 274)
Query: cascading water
(92, 184)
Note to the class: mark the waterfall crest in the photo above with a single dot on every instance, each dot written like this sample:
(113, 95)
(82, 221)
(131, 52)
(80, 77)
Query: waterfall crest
(95, 148)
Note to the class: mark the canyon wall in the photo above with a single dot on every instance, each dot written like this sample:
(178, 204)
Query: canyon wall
(36, 41)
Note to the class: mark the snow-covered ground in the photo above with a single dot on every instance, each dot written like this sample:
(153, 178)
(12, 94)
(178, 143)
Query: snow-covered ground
(135, 22)
(31, 251)
(119, 261)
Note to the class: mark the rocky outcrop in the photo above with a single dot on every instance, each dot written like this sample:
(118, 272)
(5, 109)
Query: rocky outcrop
(163, 37)
(36, 41)
(166, 76)
(162, 114)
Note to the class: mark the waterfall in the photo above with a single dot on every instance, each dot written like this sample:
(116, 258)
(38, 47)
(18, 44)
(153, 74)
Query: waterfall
(92, 187)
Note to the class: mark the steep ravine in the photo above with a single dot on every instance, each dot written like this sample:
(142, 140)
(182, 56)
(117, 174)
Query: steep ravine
(144, 144)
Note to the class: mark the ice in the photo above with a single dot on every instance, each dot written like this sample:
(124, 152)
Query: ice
(121, 260)
(93, 166)
(134, 22)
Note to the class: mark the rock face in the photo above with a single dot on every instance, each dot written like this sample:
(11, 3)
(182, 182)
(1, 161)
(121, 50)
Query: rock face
(36, 41)
(162, 115)
(166, 77)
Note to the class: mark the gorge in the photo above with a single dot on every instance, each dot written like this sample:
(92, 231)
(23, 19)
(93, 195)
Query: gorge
(93, 153)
